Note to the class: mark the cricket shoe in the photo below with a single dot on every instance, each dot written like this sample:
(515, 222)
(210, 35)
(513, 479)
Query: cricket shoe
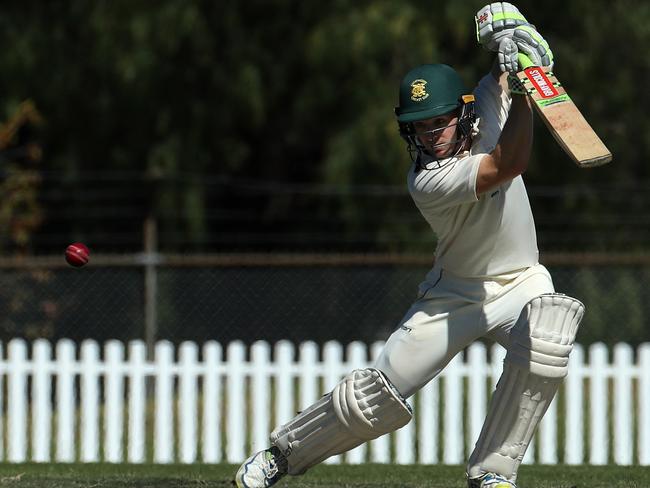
(262, 469)
(490, 480)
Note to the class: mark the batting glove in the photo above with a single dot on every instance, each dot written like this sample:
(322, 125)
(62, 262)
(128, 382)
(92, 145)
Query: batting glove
(508, 56)
(496, 21)
(533, 48)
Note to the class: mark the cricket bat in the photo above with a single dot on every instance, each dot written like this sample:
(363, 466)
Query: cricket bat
(563, 119)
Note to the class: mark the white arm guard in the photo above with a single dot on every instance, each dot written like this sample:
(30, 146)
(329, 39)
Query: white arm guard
(496, 21)
(362, 407)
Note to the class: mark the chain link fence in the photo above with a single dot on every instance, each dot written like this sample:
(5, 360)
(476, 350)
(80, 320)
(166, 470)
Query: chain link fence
(106, 209)
(271, 297)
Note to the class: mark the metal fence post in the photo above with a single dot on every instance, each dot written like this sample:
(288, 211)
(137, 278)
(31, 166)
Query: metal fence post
(151, 259)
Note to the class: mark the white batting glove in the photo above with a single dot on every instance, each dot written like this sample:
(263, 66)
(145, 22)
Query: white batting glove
(508, 56)
(496, 21)
(533, 48)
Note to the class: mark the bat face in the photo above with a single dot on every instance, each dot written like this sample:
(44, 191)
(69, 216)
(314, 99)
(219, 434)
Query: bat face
(563, 119)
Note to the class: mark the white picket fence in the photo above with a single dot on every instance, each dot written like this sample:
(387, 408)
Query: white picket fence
(92, 404)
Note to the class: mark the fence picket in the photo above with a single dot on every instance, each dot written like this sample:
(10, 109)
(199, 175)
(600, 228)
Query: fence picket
(260, 395)
(17, 406)
(212, 402)
(114, 392)
(453, 420)
(644, 403)
(380, 447)
(548, 435)
(333, 361)
(284, 408)
(187, 401)
(163, 446)
(41, 402)
(309, 391)
(574, 399)
(599, 436)
(357, 359)
(90, 401)
(477, 392)
(236, 409)
(137, 402)
(428, 422)
(65, 401)
(622, 404)
(405, 442)
(246, 386)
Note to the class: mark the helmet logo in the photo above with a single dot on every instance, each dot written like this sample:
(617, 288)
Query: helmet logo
(418, 90)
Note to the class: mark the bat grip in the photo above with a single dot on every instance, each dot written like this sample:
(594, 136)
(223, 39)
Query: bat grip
(524, 61)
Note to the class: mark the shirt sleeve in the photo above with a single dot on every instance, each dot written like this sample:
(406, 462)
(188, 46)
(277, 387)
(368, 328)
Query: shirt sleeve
(492, 107)
(453, 184)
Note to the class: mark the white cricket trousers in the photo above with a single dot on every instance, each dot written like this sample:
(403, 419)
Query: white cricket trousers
(450, 313)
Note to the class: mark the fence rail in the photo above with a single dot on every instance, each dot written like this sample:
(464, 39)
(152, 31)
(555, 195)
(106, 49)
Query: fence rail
(211, 404)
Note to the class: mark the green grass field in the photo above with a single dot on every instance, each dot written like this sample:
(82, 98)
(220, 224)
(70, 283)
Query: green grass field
(366, 476)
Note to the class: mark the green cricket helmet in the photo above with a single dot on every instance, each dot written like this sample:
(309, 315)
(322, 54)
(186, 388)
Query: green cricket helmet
(428, 91)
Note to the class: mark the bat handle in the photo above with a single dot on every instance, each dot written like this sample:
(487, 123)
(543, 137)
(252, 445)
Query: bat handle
(524, 61)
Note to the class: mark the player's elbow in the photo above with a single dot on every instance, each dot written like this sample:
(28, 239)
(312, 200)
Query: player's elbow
(513, 169)
(512, 159)
(496, 169)
(509, 159)
(518, 166)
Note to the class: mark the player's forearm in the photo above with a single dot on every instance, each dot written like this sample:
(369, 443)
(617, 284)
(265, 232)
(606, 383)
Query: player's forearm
(511, 154)
(514, 146)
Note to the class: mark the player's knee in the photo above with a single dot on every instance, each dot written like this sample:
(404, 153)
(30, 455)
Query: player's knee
(543, 336)
(363, 406)
(368, 404)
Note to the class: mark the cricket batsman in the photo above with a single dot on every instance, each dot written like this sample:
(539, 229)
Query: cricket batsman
(468, 153)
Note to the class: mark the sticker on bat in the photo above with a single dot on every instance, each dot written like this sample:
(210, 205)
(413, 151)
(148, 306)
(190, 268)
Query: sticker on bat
(541, 82)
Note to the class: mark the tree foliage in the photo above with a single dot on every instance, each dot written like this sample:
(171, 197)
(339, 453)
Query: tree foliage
(174, 93)
(20, 211)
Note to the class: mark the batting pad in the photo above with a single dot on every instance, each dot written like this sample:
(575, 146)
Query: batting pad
(363, 406)
(536, 363)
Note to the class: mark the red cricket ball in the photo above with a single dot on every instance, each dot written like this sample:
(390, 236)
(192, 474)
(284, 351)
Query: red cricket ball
(77, 254)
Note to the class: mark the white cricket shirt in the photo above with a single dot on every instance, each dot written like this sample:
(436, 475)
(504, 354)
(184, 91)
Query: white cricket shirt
(493, 234)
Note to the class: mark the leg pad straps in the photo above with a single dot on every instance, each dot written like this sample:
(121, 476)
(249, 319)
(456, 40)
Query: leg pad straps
(362, 407)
